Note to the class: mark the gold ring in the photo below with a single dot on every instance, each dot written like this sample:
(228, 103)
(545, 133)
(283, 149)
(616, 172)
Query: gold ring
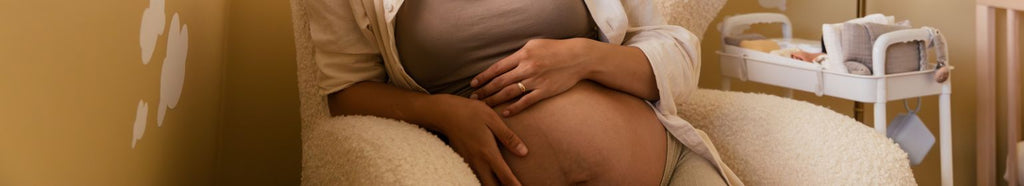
(521, 87)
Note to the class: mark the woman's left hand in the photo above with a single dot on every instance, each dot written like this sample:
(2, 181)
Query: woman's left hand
(541, 69)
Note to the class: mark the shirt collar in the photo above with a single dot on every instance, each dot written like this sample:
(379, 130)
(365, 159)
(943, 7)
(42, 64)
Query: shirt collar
(391, 9)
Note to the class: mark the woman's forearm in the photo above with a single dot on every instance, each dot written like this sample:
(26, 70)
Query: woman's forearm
(382, 100)
(623, 68)
(544, 68)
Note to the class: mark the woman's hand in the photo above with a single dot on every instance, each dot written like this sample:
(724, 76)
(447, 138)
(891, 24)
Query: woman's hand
(544, 67)
(471, 127)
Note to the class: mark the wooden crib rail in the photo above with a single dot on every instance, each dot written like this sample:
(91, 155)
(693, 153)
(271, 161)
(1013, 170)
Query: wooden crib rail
(986, 82)
(1003, 4)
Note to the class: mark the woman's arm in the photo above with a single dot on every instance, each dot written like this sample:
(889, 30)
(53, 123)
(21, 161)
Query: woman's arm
(656, 63)
(428, 111)
(351, 72)
(623, 68)
(386, 101)
(547, 64)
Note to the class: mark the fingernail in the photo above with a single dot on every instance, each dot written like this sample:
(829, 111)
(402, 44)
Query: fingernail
(473, 83)
(522, 149)
(472, 96)
(506, 113)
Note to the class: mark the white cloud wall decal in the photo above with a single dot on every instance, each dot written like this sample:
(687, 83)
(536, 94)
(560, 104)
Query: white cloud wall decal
(172, 76)
(780, 4)
(153, 20)
(140, 122)
(172, 73)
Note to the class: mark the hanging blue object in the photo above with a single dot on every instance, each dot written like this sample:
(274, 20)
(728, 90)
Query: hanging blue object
(911, 134)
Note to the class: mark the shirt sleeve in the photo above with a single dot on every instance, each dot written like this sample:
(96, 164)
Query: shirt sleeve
(345, 51)
(673, 52)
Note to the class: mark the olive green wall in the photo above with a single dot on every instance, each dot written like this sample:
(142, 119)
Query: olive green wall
(71, 80)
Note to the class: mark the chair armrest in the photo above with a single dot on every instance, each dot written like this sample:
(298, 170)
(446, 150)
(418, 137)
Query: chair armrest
(366, 150)
(770, 140)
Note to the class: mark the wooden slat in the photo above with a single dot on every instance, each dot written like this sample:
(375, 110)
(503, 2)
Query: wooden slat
(1012, 94)
(1003, 4)
(986, 104)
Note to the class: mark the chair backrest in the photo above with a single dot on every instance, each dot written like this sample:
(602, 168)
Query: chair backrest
(694, 15)
(313, 106)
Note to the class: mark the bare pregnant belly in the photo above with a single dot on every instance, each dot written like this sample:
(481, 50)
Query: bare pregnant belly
(589, 135)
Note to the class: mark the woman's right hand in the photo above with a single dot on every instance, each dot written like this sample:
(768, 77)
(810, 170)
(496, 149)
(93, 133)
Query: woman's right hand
(472, 127)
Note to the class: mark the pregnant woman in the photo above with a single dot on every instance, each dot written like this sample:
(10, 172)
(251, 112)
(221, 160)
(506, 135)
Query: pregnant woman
(533, 92)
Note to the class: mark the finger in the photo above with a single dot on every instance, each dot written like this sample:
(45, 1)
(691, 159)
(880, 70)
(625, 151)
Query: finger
(498, 68)
(509, 139)
(502, 171)
(526, 101)
(483, 172)
(506, 79)
(507, 93)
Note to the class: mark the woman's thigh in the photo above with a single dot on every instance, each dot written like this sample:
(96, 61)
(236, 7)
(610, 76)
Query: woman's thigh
(589, 135)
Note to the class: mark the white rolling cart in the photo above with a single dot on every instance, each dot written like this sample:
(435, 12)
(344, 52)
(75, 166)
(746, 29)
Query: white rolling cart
(879, 88)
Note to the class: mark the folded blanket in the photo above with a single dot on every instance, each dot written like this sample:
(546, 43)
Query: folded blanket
(859, 40)
(833, 40)
(765, 46)
(736, 40)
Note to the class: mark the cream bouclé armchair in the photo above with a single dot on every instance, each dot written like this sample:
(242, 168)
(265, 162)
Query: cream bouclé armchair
(767, 140)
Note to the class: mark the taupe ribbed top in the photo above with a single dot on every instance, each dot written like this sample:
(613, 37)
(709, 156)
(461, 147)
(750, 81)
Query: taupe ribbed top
(443, 44)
